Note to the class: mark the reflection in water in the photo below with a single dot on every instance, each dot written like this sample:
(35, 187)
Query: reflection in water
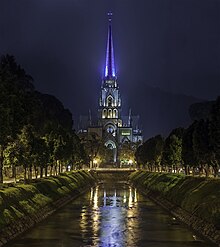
(110, 216)
(120, 217)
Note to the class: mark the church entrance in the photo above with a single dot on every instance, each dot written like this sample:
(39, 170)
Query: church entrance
(110, 144)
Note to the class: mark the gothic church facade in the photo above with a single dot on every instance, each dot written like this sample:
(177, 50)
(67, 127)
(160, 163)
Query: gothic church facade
(113, 128)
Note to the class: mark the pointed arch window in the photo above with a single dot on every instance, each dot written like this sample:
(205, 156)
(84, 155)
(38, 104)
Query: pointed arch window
(110, 113)
(109, 101)
(115, 113)
(104, 113)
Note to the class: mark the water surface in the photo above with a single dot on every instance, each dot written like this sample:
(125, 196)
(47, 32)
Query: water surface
(110, 215)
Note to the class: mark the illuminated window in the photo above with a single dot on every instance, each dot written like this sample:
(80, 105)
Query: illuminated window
(126, 133)
(109, 101)
(115, 113)
(110, 129)
(104, 113)
(110, 113)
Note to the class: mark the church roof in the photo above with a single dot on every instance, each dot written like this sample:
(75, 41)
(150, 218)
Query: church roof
(131, 121)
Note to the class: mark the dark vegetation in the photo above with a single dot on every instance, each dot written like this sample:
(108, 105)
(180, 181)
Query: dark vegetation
(200, 110)
(36, 135)
(20, 200)
(199, 196)
(195, 149)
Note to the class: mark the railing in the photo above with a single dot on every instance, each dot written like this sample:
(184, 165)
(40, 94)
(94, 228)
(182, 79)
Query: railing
(113, 169)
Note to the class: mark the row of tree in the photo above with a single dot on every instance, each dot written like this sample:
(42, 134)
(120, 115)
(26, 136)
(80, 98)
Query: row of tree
(193, 150)
(35, 130)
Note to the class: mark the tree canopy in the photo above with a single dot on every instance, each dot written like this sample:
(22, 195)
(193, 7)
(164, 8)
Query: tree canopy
(33, 123)
(195, 149)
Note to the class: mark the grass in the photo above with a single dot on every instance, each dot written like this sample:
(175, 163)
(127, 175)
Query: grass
(198, 196)
(21, 200)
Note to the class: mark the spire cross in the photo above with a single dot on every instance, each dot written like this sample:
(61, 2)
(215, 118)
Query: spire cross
(110, 16)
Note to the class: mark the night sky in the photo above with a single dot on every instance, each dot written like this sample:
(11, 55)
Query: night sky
(165, 51)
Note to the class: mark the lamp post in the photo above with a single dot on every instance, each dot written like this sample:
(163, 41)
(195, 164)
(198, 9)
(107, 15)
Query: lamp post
(95, 162)
(130, 163)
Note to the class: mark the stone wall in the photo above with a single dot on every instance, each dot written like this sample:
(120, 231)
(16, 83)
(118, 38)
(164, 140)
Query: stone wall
(113, 176)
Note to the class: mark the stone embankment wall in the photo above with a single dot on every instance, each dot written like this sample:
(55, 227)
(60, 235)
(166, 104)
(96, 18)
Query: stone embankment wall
(193, 200)
(24, 205)
(113, 176)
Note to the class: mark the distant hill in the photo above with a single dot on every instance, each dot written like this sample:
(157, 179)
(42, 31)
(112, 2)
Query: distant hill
(160, 111)
(200, 110)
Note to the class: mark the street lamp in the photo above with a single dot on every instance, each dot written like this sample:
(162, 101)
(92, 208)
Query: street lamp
(130, 163)
(95, 162)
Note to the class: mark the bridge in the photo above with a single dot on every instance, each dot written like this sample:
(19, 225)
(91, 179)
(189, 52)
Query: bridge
(113, 174)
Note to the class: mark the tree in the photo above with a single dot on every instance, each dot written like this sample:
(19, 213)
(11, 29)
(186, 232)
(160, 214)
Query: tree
(172, 153)
(159, 145)
(36, 130)
(214, 134)
(150, 153)
(12, 157)
(126, 152)
(92, 144)
(26, 141)
(14, 86)
(188, 154)
(40, 155)
(201, 146)
(79, 155)
(4, 135)
(140, 155)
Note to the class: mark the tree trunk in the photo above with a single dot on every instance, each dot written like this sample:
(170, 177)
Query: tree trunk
(55, 169)
(1, 164)
(41, 172)
(59, 167)
(51, 170)
(201, 168)
(206, 168)
(25, 174)
(14, 172)
(46, 168)
(30, 173)
(215, 171)
(36, 171)
(193, 171)
(206, 172)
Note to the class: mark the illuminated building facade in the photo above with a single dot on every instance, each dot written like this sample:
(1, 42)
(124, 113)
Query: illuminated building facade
(111, 126)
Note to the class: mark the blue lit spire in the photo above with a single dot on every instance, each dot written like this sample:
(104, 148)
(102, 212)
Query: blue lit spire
(110, 62)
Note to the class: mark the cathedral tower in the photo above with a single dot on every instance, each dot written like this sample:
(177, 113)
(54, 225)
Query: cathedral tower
(111, 127)
(110, 100)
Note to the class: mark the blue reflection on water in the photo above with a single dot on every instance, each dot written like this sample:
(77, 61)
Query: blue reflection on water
(109, 220)
(112, 226)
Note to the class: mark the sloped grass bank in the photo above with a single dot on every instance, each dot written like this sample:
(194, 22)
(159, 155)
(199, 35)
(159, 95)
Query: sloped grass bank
(195, 201)
(23, 205)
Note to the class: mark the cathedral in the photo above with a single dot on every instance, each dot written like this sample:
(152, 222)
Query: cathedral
(109, 124)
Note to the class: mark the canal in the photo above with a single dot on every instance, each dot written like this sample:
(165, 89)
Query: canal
(110, 215)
